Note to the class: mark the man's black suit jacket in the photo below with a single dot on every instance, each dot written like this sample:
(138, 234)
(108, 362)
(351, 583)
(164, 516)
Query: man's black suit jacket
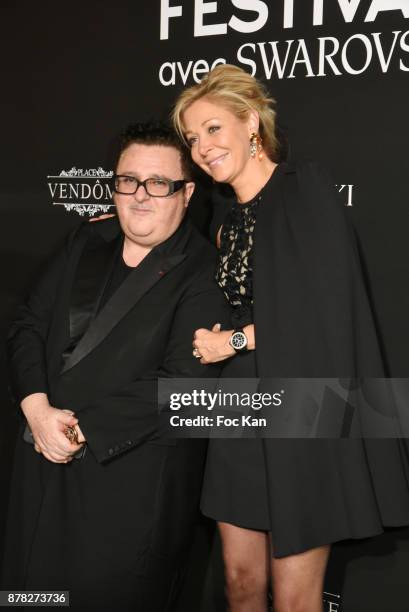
(133, 491)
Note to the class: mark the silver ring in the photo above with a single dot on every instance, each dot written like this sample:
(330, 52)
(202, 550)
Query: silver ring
(196, 354)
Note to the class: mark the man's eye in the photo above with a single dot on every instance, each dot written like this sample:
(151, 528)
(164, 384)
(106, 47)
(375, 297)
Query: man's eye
(158, 182)
(127, 180)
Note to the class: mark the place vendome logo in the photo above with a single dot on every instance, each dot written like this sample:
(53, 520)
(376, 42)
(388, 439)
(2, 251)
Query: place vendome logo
(82, 191)
(90, 191)
(345, 52)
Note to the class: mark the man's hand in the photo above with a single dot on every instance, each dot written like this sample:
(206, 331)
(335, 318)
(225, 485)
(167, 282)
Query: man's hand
(101, 217)
(48, 425)
(81, 437)
(213, 345)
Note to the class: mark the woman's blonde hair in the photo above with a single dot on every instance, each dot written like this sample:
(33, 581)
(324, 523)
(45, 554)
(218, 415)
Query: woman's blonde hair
(240, 93)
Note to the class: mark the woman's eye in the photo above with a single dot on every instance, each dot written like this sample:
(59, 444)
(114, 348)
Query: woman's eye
(213, 128)
(191, 141)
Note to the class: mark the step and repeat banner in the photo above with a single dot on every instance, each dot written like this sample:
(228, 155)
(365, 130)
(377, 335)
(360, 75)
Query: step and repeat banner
(75, 74)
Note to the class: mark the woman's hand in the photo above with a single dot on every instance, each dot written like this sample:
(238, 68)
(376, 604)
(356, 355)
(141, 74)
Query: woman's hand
(101, 217)
(213, 345)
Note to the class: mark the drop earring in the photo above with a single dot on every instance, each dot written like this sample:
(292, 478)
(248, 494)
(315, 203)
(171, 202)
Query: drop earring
(255, 146)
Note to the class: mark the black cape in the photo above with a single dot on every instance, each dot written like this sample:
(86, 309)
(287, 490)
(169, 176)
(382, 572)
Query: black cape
(313, 320)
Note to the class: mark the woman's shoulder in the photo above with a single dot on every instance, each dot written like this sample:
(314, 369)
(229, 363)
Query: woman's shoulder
(313, 202)
(311, 184)
(307, 170)
(199, 246)
(222, 199)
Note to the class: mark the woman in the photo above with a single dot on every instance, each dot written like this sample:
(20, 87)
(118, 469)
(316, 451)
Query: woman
(289, 267)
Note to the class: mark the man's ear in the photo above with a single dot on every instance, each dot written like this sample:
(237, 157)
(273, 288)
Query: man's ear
(189, 189)
(253, 122)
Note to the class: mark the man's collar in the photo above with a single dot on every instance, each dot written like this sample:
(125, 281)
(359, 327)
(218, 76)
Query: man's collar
(177, 241)
(109, 229)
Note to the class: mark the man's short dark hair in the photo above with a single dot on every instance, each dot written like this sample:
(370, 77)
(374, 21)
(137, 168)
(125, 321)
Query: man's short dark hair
(155, 133)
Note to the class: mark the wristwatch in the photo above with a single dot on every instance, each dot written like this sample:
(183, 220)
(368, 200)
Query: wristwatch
(238, 340)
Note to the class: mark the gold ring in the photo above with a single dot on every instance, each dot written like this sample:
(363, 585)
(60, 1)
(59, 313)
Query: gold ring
(72, 434)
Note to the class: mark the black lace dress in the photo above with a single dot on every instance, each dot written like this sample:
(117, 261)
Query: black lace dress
(235, 488)
(234, 272)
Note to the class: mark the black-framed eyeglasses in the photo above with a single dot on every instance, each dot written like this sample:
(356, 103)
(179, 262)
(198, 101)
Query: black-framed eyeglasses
(155, 187)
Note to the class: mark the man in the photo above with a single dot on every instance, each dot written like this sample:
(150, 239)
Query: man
(114, 310)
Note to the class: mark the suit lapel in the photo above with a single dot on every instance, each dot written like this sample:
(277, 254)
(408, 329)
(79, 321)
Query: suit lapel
(149, 272)
(93, 270)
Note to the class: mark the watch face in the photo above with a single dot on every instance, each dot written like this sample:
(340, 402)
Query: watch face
(238, 341)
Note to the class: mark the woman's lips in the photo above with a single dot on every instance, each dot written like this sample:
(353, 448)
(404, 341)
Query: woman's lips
(217, 161)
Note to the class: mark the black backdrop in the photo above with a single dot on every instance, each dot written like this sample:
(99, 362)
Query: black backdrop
(74, 74)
